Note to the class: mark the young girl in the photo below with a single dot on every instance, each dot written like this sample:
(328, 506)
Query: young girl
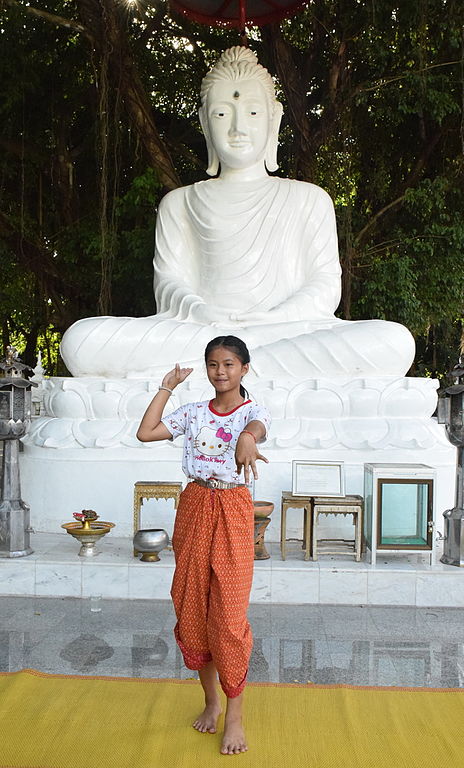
(213, 538)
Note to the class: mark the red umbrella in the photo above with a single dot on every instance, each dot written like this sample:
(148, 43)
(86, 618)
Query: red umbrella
(236, 13)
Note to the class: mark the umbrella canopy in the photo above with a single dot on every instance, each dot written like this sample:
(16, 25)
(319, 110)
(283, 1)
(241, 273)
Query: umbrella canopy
(236, 13)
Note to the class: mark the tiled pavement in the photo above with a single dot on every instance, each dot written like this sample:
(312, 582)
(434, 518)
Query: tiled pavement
(359, 645)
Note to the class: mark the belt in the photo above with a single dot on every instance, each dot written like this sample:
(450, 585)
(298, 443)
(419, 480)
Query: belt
(216, 484)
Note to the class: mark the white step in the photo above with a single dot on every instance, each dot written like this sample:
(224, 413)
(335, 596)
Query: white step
(56, 570)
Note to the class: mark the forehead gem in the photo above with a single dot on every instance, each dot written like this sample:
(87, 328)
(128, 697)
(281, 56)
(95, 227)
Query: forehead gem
(236, 95)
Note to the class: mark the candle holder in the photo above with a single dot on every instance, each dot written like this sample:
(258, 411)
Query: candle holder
(87, 531)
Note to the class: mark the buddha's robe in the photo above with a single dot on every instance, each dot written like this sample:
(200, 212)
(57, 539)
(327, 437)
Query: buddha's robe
(256, 259)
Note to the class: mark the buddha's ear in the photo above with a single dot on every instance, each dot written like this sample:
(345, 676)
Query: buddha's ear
(273, 141)
(213, 159)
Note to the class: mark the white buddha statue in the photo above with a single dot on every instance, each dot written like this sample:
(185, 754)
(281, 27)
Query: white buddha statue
(244, 253)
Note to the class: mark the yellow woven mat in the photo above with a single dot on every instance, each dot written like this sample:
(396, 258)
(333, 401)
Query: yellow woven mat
(55, 721)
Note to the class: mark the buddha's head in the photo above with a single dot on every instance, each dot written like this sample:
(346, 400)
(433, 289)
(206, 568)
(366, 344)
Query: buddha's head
(239, 113)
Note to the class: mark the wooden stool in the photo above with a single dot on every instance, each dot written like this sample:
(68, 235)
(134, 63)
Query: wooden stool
(153, 490)
(289, 501)
(344, 505)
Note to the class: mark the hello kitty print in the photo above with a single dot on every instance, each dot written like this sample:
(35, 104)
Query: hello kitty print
(210, 437)
(211, 443)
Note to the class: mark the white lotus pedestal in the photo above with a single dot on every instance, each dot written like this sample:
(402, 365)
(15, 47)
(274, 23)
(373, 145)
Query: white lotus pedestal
(84, 454)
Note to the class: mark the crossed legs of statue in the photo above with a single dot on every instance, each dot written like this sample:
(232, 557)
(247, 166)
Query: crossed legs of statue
(346, 348)
(120, 347)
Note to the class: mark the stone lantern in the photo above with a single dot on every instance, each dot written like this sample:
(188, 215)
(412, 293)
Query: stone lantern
(451, 413)
(15, 414)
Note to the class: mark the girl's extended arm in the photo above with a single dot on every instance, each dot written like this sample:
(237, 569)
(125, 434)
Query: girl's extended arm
(246, 451)
(151, 427)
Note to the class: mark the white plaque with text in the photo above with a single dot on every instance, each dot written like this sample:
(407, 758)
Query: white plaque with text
(318, 478)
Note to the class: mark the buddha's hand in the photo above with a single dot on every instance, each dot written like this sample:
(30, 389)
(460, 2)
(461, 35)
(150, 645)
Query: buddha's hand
(176, 376)
(260, 318)
(207, 314)
(296, 308)
(246, 456)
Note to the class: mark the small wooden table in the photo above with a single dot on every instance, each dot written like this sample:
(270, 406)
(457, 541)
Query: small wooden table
(343, 505)
(289, 501)
(153, 490)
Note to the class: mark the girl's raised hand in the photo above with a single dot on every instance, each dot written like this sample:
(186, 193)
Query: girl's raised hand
(176, 376)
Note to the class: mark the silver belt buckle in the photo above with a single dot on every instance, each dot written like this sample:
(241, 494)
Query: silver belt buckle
(213, 482)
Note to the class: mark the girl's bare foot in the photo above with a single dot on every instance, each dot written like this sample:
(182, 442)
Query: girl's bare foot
(233, 741)
(207, 721)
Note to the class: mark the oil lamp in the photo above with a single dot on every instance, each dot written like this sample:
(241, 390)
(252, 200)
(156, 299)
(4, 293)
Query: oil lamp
(451, 413)
(15, 415)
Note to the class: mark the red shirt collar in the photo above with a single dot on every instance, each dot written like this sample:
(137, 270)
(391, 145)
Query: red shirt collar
(216, 413)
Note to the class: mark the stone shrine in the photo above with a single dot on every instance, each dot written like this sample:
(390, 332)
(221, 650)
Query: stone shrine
(255, 256)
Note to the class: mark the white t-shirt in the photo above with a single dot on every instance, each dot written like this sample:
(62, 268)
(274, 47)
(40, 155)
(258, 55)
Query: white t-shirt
(211, 437)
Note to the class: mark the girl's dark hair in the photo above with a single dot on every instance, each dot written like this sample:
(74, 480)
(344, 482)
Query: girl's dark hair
(237, 346)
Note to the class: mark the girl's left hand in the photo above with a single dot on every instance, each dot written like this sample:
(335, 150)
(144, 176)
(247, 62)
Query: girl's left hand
(246, 456)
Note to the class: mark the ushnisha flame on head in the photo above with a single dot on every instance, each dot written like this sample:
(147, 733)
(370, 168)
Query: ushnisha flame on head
(239, 63)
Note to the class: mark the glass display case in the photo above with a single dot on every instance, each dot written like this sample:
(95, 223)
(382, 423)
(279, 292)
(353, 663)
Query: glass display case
(398, 508)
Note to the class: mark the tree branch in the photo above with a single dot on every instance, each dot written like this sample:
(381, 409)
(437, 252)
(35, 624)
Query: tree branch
(51, 18)
(18, 149)
(389, 80)
(290, 76)
(38, 259)
(376, 217)
(411, 181)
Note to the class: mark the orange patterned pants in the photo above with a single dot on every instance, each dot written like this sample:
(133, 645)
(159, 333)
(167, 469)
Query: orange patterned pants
(213, 544)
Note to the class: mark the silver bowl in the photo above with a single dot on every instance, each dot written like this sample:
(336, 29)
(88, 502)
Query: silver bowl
(149, 542)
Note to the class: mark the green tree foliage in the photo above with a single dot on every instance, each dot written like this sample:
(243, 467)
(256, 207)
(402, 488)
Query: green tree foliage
(98, 116)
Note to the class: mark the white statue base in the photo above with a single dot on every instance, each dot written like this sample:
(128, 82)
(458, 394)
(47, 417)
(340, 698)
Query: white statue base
(84, 454)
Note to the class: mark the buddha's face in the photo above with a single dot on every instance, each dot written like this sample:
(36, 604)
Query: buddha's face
(238, 122)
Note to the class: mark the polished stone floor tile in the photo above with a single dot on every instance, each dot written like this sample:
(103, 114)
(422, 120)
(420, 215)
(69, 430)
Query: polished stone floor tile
(357, 645)
(296, 621)
(33, 613)
(358, 627)
(398, 621)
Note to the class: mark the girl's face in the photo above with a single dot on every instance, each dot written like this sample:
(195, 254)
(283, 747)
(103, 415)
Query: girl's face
(225, 369)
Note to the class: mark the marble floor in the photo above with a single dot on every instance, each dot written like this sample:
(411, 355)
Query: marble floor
(358, 645)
